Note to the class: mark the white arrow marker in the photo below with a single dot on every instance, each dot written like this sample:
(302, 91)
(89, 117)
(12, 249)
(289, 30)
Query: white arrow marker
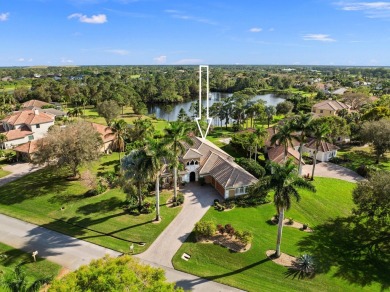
(209, 119)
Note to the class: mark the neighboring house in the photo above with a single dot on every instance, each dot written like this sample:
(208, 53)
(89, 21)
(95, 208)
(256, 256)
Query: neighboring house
(52, 111)
(340, 91)
(107, 135)
(325, 152)
(329, 108)
(205, 160)
(25, 152)
(34, 103)
(276, 154)
(23, 126)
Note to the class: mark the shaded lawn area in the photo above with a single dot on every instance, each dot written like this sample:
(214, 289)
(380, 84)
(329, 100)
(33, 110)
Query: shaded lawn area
(358, 156)
(33, 270)
(3, 172)
(46, 198)
(252, 270)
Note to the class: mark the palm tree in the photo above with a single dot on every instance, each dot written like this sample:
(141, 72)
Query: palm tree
(176, 133)
(138, 168)
(270, 111)
(17, 281)
(119, 128)
(157, 152)
(285, 182)
(301, 123)
(319, 132)
(284, 136)
(260, 135)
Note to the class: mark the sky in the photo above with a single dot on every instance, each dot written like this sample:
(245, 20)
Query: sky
(187, 32)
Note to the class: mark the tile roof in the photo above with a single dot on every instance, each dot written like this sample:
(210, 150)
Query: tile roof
(29, 147)
(105, 131)
(220, 165)
(276, 154)
(333, 105)
(35, 103)
(28, 117)
(192, 153)
(324, 146)
(17, 134)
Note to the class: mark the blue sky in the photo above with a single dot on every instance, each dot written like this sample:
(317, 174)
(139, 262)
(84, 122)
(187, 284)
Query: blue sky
(136, 32)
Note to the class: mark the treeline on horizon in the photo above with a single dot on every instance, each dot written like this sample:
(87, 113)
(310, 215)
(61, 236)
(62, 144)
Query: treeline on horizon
(139, 85)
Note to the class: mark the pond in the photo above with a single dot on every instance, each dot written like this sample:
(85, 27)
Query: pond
(170, 112)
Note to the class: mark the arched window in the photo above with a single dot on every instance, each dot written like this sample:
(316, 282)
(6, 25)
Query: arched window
(196, 162)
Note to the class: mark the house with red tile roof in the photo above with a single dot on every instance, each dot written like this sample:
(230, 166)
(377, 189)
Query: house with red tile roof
(23, 126)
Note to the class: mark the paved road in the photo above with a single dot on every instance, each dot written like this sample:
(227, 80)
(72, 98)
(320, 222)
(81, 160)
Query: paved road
(198, 200)
(17, 171)
(64, 250)
(328, 169)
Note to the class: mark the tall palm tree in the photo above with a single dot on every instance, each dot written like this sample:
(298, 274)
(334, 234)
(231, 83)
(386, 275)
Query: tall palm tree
(286, 183)
(260, 136)
(120, 129)
(284, 136)
(319, 132)
(157, 154)
(176, 134)
(301, 123)
(138, 168)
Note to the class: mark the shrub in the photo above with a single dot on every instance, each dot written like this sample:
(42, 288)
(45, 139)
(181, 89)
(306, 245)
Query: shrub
(305, 226)
(246, 237)
(147, 208)
(290, 221)
(219, 207)
(221, 229)
(362, 170)
(216, 201)
(251, 166)
(179, 200)
(205, 228)
(303, 267)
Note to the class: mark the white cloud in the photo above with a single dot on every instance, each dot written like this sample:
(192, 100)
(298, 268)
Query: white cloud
(94, 19)
(189, 62)
(318, 37)
(65, 60)
(21, 60)
(255, 29)
(182, 15)
(377, 9)
(118, 52)
(4, 16)
(160, 59)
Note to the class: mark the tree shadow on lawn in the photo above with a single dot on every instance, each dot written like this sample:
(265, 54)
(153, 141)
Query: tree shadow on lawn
(350, 246)
(39, 183)
(103, 206)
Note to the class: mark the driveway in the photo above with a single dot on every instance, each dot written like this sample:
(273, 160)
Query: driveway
(328, 169)
(64, 250)
(17, 171)
(198, 200)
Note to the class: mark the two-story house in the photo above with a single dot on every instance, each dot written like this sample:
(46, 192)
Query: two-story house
(23, 126)
(329, 108)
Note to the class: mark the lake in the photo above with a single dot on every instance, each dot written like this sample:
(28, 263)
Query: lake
(170, 112)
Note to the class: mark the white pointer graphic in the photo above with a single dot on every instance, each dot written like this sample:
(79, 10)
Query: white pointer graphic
(209, 119)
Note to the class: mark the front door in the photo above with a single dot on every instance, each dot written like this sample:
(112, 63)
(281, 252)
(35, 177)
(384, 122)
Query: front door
(192, 176)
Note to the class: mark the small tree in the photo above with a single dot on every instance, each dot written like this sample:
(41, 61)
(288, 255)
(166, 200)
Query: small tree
(377, 133)
(109, 110)
(69, 147)
(284, 108)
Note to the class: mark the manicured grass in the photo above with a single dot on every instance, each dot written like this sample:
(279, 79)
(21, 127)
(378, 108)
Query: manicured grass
(91, 115)
(48, 199)
(252, 270)
(358, 156)
(10, 257)
(3, 172)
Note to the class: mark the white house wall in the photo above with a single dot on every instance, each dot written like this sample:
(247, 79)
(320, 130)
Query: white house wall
(42, 130)
(16, 142)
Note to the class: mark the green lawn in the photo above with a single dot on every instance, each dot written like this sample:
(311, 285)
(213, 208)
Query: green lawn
(358, 156)
(3, 172)
(91, 115)
(252, 270)
(48, 199)
(10, 257)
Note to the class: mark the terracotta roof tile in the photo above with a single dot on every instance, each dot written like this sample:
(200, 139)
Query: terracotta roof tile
(105, 131)
(18, 133)
(28, 117)
(276, 154)
(324, 146)
(29, 147)
(34, 103)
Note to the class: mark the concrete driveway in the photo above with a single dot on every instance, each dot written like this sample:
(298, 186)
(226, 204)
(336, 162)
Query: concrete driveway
(17, 171)
(328, 169)
(198, 200)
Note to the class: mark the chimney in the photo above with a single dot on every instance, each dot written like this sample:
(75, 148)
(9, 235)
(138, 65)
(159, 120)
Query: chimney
(36, 112)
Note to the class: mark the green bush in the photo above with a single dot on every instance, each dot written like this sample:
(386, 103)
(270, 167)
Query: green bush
(147, 208)
(251, 166)
(205, 228)
(179, 200)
